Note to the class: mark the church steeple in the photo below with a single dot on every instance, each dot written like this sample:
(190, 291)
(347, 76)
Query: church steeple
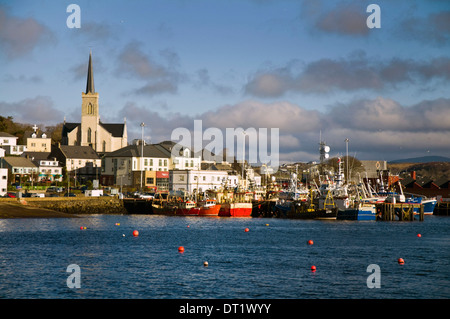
(90, 77)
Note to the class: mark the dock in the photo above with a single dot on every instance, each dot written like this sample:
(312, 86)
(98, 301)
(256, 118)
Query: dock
(399, 211)
(442, 209)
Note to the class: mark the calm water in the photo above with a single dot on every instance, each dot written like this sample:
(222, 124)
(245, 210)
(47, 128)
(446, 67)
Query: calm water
(271, 262)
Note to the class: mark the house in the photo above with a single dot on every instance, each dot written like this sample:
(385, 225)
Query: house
(81, 162)
(126, 165)
(102, 137)
(48, 168)
(21, 169)
(38, 141)
(8, 142)
(182, 157)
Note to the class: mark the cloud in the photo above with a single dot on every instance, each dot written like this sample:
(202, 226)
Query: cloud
(344, 19)
(32, 110)
(356, 72)
(20, 36)
(379, 128)
(160, 78)
(432, 29)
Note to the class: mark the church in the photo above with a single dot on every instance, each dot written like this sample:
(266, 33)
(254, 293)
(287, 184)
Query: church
(102, 137)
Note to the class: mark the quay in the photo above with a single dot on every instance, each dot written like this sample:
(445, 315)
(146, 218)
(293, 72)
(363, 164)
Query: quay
(399, 211)
(442, 209)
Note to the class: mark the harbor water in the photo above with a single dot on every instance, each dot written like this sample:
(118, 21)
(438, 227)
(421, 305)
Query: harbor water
(272, 260)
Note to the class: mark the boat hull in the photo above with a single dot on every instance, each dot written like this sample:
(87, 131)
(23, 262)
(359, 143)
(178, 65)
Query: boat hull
(236, 210)
(364, 213)
(209, 210)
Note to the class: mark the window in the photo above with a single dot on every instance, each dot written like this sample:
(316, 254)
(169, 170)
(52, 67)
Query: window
(160, 162)
(181, 178)
(151, 162)
(145, 162)
(104, 146)
(165, 162)
(204, 178)
(150, 180)
(89, 135)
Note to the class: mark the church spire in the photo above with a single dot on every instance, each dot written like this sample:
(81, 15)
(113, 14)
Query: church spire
(90, 77)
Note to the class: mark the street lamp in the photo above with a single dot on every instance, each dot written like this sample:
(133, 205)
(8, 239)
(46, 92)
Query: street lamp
(142, 151)
(346, 162)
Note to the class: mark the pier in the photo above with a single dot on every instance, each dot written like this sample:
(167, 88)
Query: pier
(399, 211)
(442, 209)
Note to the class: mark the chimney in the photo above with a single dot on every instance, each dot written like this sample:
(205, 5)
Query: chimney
(413, 175)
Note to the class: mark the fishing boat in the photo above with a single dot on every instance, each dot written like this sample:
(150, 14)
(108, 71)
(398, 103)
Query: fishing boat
(362, 212)
(209, 207)
(236, 209)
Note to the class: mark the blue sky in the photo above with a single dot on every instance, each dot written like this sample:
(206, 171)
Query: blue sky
(303, 66)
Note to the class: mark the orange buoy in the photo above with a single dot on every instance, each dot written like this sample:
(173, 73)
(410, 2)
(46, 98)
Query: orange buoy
(313, 268)
(401, 261)
(310, 242)
(205, 264)
(419, 235)
(246, 230)
(181, 249)
(135, 233)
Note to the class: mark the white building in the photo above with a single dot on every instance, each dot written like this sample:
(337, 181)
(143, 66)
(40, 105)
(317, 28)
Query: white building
(3, 181)
(202, 180)
(183, 157)
(8, 142)
(50, 170)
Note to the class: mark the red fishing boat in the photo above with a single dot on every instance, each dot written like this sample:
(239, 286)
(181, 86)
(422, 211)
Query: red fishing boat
(209, 207)
(236, 209)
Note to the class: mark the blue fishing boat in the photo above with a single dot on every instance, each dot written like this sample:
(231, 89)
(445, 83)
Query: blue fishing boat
(362, 212)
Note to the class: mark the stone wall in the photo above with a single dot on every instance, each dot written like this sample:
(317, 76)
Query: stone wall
(79, 205)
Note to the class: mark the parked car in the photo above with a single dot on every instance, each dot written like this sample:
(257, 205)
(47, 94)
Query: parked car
(70, 195)
(10, 195)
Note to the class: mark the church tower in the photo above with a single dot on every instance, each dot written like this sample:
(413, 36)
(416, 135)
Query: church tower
(90, 117)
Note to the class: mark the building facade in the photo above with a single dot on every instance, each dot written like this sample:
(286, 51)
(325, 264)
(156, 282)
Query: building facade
(126, 165)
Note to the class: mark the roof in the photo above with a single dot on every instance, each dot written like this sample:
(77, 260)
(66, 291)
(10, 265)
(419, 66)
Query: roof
(36, 156)
(135, 151)
(15, 161)
(116, 129)
(90, 77)
(79, 152)
(4, 134)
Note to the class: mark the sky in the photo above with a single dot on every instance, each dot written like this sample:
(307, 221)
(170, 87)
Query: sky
(309, 68)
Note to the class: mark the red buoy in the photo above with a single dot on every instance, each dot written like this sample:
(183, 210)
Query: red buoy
(310, 242)
(181, 249)
(313, 268)
(401, 261)
(246, 230)
(135, 233)
(419, 235)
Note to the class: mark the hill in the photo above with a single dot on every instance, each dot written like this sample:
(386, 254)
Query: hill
(424, 171)
(423, 159)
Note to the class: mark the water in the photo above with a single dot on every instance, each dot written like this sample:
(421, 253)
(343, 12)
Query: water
(268, 262)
